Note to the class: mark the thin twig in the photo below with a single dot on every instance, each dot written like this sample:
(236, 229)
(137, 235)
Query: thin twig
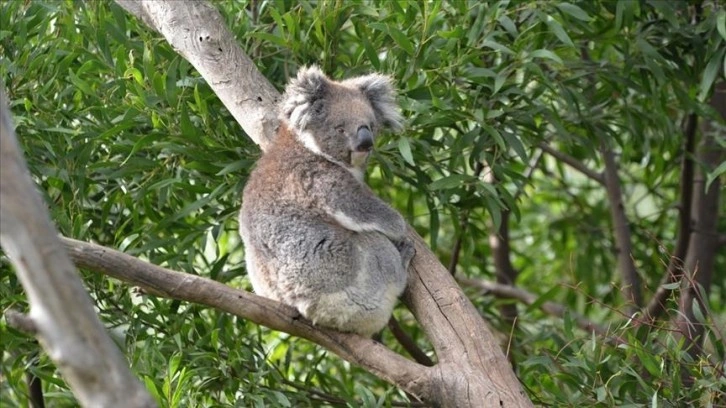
(408, 344)
(572, 162)
(548, 307)
(463, 225)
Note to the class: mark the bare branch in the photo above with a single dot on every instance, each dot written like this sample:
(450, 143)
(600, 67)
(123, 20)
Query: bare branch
(408, 344)
(572, 162)
(548, 307)
(364, 352)
(61, 312)
(198, 33)
(656, 307)
(621, 230)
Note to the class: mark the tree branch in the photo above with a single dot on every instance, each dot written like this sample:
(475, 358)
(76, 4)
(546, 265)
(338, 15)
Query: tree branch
(198, 33)
(408, 344)
(61, 312)
(552, 308)
(656, 307)
(621, 230)
(163, 282)
(572, 162)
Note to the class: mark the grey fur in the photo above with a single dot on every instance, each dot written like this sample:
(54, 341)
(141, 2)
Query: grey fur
(316, 237)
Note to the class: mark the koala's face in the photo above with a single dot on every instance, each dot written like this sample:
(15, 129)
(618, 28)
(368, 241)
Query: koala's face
(338, 120)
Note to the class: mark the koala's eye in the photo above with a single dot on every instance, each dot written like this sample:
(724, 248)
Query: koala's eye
(340, 129)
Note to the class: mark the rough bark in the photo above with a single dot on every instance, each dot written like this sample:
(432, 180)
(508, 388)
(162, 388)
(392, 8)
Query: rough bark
(61, 312)
(197, 31)
(163, 282)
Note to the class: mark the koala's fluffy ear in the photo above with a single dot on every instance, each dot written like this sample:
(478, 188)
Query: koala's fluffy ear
(381, 93)
(303, 97)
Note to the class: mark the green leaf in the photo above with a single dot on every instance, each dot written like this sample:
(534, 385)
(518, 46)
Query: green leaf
(559, 32)
(574, 11)
(453, 181)
(405, 148)
(397, 35)
(716, 173)
(721, 23)
(547, 296)
(710, 73)
(547, 54)
(497, 46)
(671, 286)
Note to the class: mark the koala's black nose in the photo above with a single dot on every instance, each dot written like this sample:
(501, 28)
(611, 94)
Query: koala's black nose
(364, 140)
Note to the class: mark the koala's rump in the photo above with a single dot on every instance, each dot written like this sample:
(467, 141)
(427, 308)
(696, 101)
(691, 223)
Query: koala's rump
(333, 276)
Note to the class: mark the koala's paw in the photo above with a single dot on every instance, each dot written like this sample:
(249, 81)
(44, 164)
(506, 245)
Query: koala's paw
(407, 250)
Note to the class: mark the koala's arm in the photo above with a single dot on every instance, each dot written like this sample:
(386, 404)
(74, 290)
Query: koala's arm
(354, 206)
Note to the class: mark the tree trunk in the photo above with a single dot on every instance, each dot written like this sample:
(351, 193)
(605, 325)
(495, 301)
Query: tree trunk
(703, 244)
(61, 313)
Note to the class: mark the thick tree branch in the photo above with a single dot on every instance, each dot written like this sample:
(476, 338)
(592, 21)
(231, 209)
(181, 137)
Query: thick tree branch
(552, 308)
(572, 162)
(159, 281)
(198, 33)
(61, 312)
(657, 305)
(468, 353)
(621, 230)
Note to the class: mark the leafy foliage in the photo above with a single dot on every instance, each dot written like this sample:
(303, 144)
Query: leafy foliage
(132, 150)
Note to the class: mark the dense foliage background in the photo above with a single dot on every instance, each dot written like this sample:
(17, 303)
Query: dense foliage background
(132, 150)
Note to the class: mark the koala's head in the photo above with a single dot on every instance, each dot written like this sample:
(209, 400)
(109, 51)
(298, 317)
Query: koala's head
(338, 119)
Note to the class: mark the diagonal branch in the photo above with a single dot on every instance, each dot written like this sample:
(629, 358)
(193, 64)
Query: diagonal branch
(61, 312)
(163, 282)
(548, 307)
(572, 162)
(213, 51)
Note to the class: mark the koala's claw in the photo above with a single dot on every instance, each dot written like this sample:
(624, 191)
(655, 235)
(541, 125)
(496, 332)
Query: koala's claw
(407, 250)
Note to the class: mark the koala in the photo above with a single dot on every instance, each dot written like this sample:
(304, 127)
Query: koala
(315, 236)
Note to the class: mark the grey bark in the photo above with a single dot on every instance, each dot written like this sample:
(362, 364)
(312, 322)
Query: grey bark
(61, 312)
(197, 31)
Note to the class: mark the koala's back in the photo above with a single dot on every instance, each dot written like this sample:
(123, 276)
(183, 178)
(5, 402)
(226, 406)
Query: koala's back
(297, 254)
